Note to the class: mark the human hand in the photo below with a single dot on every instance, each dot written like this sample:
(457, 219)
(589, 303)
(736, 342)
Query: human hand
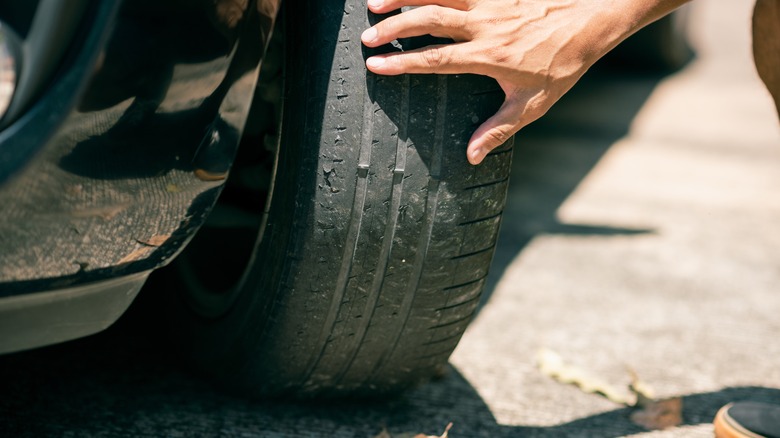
(535, 49)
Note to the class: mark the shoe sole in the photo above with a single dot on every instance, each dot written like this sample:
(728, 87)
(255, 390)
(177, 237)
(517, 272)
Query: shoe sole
(726, 427)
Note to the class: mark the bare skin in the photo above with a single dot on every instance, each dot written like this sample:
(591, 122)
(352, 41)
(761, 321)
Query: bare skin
(536, 49)
(766, 45)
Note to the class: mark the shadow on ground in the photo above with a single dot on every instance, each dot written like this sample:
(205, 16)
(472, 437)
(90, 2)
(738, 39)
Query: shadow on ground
(125, 382)
(122, 384)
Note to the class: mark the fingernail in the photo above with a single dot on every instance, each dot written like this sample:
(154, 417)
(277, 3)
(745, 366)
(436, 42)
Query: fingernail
(375, 3)
(369, 35)
(476, 154)
(375, 62)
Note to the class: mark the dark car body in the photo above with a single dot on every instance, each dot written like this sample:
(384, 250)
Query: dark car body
(118, 154)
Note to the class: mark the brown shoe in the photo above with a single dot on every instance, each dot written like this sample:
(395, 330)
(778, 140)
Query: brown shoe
(748, 420)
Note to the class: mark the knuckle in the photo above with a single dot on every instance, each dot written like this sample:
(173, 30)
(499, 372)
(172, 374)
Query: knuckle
(433, 58)
(385, 27)
(436, 16)
(499, 136)
(463, 20)
(496, 55)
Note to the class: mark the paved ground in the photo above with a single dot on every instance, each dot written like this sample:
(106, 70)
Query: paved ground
(642, 231)
(665, 257)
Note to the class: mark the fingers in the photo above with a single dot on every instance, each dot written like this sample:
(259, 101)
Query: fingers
(442, 59)
(496, 131)
(427, 20)
(444, 18)
(384, 6)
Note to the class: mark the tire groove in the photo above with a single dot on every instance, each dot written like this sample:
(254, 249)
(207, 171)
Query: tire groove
(445, 339)
(431, 205)
(468, 283)
(457, 321)
(446, 352)
(491, 183)
(482, 219)
(462, 303)
(355, 223)
(473, 253)
(402, 140)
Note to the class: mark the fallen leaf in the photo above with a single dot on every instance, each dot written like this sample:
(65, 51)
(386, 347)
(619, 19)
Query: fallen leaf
(172, 188)
(644, 393)
(444, 435)
(648, 412)
(551, 364)
(658, 415)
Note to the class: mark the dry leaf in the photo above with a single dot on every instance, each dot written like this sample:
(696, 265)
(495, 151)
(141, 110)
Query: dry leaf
(649, 413)
(444, 435)
(658, 415)
(644, 393)
(653, 414)
(551, 364)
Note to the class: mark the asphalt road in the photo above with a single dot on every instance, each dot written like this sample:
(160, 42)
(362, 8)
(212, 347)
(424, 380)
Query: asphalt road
(642, 232)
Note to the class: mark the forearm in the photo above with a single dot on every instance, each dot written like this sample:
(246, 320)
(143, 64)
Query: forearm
(607, 23)
(628, 16)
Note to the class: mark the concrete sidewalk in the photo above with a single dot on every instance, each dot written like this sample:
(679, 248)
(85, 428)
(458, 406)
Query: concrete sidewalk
(665, 258)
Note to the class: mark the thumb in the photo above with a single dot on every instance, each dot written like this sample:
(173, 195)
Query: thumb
(495, 131)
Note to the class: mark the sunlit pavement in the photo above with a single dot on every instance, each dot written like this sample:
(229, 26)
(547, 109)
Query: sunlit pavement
(642, 232)
(664, 258)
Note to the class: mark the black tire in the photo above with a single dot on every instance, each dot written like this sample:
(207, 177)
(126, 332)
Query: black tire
(660, 47)
(379, 235)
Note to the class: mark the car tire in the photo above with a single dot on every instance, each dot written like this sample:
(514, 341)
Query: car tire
(660, 47)
(379, 234)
